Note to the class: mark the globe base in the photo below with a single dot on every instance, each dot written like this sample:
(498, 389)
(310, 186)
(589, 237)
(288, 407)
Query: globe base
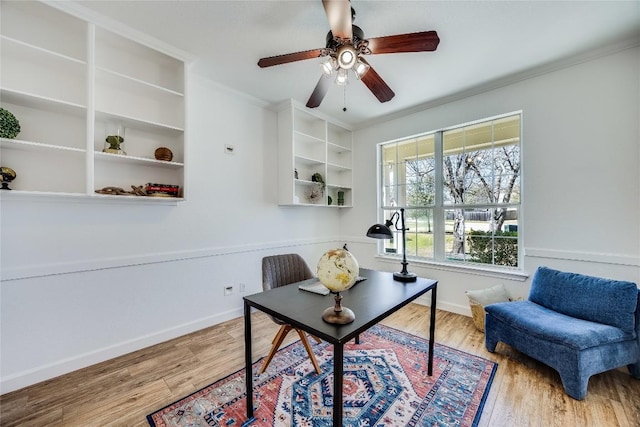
(338, 317)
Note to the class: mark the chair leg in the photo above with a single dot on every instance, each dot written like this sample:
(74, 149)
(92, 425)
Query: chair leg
(307, 346)
(277, 340)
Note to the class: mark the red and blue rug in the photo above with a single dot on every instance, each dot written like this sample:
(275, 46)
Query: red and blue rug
(385, 384)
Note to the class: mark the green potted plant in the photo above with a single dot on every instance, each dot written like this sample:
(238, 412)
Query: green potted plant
(317, 177)
(114, 139)
(9, 125)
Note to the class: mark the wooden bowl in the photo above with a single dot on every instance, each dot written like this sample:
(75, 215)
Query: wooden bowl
(163, 153)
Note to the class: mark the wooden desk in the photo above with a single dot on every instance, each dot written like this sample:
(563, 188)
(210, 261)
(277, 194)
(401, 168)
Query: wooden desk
(371, 300)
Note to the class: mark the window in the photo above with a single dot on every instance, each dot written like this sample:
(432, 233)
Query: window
(460, 188)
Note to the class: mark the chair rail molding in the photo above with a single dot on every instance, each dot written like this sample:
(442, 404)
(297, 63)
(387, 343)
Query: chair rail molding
(40, 270)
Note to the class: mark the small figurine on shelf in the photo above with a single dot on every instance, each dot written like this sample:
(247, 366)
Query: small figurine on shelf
(8, 175)
(114, 139)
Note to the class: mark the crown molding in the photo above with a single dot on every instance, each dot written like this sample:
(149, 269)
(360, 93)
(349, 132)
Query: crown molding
(510, 79)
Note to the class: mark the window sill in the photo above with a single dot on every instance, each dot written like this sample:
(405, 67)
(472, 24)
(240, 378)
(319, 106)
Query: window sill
(476, 270)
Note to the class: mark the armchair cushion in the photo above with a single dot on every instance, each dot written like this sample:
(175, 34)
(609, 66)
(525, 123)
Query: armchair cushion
(612, 302)
(543, 323)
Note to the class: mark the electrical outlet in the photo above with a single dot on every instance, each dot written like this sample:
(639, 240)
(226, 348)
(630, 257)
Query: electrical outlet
(228, 290)
(243, 287)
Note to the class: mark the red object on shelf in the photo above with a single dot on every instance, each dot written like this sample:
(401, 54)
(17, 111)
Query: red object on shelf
(166, 189)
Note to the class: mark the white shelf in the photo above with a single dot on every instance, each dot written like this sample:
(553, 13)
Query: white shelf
(18, 144)
(301, 160)
(16, 47)
(65, 79)
(135, 122)
(32, 100)
(139, 82)
(302, 137)
(312, 144)
(306, 182)
(91, 198)
(117, 158)
(339, 149)
(38, 24)
(337, 168)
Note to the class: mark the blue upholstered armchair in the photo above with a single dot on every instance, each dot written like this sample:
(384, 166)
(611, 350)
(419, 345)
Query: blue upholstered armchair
(578, 325)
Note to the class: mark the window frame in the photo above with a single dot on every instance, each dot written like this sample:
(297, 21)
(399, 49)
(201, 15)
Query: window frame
(439, 207)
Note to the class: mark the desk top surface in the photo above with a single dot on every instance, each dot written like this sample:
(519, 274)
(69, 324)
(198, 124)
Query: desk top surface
(371, 300)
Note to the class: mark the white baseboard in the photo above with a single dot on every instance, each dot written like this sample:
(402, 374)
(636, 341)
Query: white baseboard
(41, 373)
(464, 310)
(46, 372)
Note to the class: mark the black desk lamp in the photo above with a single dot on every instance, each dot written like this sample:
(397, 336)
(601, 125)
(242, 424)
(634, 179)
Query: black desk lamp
(379, 231)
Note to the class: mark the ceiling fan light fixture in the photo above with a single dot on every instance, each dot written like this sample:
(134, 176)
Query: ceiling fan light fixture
(361, 68)
(342, 77)
(347, 56)
(329, 66)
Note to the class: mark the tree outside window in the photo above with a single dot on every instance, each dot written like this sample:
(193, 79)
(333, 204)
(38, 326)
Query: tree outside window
(463, 204)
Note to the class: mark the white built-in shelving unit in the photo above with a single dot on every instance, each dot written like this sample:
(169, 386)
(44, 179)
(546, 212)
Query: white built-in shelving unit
(310, 143)
(64, 78)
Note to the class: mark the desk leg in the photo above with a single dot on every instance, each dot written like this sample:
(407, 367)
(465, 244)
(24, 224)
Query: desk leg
(432, 328)
(247, 359)
(338, 372)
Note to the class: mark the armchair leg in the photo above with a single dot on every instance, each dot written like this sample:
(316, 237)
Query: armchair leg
(277, 340)
(307, 347)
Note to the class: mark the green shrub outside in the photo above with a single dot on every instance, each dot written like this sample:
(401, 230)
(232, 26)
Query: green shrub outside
(499, 247)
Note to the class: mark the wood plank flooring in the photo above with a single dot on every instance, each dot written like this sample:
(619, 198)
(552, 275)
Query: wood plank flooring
(122, 391)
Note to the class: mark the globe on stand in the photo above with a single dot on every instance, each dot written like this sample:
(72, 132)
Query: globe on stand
(338, 270)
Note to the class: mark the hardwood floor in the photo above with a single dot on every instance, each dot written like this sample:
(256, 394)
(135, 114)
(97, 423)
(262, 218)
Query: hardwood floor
(122, 391)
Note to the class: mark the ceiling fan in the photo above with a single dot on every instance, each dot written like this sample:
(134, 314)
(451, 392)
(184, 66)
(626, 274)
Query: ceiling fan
(345, 50)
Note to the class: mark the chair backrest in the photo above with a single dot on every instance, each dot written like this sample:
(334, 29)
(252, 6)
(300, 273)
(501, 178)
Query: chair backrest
(280, 270)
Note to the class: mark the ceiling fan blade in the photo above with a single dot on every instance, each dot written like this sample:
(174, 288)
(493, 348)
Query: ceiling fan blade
(339, 17)
(411, 42)
(376, 85)
(289, 57)
(319, 92)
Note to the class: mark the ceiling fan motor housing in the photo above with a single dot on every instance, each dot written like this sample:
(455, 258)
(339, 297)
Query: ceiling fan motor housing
(334, 43)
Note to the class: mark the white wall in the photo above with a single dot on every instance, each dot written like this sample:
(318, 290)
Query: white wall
(581, 180)
(116, 277)
(86, 281)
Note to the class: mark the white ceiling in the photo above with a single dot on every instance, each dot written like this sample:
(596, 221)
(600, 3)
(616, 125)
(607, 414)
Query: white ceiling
(482, 43)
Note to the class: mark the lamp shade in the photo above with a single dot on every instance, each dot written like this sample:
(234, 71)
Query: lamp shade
(379, 231)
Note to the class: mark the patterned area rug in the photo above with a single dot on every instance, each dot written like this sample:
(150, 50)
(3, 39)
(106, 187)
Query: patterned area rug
(385, 384)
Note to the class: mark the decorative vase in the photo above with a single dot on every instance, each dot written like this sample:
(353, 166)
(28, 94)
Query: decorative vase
(114, 139)
(340, 198)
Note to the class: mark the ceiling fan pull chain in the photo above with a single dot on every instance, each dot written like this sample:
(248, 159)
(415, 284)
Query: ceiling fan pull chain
(344, 99)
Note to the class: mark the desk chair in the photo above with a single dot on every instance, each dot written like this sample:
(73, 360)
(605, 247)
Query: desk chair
(280, 270)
